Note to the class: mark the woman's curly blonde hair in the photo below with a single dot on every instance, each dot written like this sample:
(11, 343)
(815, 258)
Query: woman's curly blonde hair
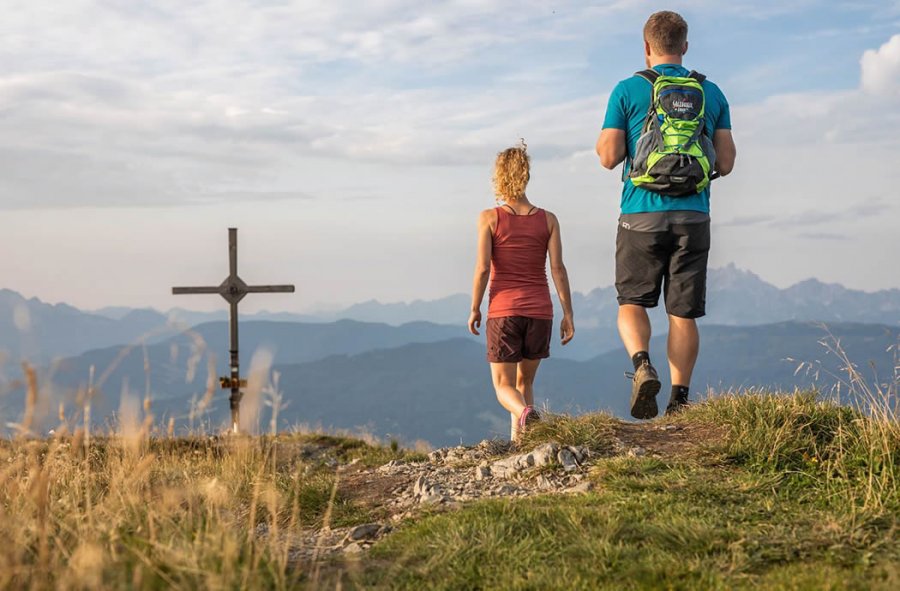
(512, 170)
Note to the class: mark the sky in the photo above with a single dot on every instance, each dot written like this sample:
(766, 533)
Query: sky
(352, 141)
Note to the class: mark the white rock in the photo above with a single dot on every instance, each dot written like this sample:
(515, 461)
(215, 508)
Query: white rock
(545, 454)
(482, 472)
(431, 499)
(353, 548)
(505, 467)
(421, 486)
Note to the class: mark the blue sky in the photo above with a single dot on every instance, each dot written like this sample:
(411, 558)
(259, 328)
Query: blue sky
(352, 141)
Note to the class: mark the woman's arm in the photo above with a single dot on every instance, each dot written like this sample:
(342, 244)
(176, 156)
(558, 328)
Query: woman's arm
(560, 280)
(482, 268)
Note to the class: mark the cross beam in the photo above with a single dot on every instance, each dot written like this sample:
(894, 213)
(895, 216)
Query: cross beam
(233, 289)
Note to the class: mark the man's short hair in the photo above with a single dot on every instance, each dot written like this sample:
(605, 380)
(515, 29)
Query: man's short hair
(666, 32)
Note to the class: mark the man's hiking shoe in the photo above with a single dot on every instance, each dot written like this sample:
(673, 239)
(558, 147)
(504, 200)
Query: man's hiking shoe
(677, 404)
(528, 417)
(644, 388)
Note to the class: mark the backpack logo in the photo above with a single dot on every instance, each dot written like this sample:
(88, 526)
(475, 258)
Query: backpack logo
(674, 156)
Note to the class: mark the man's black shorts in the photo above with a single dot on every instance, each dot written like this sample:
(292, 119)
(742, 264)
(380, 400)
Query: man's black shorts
(673, 261)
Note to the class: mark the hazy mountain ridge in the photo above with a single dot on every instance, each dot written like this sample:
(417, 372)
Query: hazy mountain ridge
(34, 330)
(735, 297)
(441, 391)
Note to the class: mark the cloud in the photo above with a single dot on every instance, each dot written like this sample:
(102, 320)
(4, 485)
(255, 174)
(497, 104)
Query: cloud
(117, 103)
(881, 69)
(831, 236)
(748, 220)
(822, 215)
(812, 217)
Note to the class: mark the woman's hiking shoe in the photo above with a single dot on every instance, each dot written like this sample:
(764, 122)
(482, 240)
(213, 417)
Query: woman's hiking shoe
(645, 386)
(529, 416)
(677, 403)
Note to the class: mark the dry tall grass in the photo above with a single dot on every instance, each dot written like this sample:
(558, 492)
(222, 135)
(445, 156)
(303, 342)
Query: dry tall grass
(133, 512)
(130, 510)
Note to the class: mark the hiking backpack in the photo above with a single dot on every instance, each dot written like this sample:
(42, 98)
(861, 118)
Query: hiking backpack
(674, 156)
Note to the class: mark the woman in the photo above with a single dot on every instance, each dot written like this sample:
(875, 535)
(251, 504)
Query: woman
(513, 242)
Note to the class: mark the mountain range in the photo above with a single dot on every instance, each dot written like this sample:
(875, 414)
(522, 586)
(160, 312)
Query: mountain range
(39, 332)
(386, 381)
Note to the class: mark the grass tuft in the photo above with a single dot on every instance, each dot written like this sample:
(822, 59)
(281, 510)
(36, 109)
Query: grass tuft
(594, 431)
(837, 453)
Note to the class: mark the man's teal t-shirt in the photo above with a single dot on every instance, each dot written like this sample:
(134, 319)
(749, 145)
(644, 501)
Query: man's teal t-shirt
(627, 110)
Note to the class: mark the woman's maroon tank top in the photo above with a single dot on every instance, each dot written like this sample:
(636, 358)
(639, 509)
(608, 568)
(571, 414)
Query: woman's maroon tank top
(519, 266)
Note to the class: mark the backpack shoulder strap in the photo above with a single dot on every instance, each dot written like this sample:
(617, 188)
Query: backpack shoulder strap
(650, 75)
(697, 76)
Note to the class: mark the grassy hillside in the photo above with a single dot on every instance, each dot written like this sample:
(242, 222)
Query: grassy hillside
(750, 491)
(781, 493)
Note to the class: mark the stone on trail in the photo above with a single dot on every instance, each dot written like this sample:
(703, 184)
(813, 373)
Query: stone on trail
(421, 486)
(431, 499)
(366, 531)
(636, 452)
(567, 460)
(580, 453)
(582, 487)
(507, 489)
(544, 483)
(545, 454)
(482, 471)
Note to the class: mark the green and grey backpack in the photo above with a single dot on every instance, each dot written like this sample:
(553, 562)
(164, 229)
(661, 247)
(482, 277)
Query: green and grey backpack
(674, 156)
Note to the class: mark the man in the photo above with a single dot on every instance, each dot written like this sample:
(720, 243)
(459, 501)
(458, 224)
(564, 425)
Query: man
(662, 241)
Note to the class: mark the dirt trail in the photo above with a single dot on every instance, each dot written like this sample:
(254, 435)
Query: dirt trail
(453, 476)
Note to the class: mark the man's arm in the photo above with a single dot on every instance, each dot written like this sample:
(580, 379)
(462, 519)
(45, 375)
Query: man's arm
(726, 151)
(611, 147)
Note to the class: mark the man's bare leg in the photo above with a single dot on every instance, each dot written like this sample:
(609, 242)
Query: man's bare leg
(504, 376)
(683, 348)
(634, 328)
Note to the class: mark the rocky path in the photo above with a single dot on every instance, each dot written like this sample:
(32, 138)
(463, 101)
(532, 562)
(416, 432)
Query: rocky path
(453, 476)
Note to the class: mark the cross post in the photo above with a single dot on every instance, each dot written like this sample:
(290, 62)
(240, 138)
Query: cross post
(233, 289)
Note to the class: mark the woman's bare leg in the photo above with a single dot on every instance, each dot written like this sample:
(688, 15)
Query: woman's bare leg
(525, 372)
(504, 376)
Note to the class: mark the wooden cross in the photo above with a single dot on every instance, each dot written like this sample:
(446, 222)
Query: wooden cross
(233, 289)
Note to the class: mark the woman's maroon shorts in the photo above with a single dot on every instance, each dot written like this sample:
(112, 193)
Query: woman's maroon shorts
(513, 338)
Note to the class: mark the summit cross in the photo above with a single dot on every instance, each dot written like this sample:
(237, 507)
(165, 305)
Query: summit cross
(233, 289)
